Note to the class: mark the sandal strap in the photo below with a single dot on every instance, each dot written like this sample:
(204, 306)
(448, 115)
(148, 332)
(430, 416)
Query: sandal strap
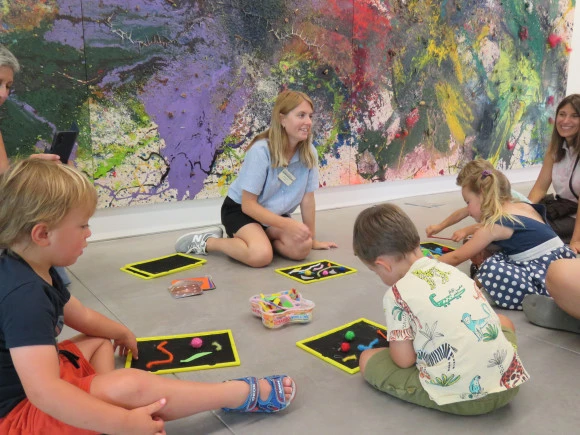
(250, 405)
(276, 400)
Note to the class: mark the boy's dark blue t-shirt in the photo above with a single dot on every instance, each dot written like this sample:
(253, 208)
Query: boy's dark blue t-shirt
(31, 313)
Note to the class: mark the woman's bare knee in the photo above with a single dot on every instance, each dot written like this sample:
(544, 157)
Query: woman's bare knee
(300, 251)
(260, 258)
(559, 274)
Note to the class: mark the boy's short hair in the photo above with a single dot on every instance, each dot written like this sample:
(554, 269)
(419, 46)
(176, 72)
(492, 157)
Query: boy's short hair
(384, 229)
(36, 190)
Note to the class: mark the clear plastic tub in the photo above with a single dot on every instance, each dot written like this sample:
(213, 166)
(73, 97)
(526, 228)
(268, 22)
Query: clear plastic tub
(275, 315)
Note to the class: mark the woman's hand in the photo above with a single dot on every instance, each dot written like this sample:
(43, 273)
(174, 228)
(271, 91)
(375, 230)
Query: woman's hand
(316, 244)
(575, 246)
(297, 230)
(53, 157)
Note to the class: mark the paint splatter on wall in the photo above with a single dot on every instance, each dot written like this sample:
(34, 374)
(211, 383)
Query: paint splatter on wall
(168, 93)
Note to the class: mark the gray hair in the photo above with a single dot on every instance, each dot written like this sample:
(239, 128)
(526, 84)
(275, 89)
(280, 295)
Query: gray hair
(8, 59)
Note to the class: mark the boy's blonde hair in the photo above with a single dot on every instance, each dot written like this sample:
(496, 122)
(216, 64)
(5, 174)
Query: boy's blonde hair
(384, 229)
(481, 178)
(34, 191)
(278, 139)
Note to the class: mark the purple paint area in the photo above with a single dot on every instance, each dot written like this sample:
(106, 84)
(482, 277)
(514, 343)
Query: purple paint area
(66, 33)
(112, 78)
(70, 8)
(193, 97)
(193, 102)
(104, 18)
(142, 7)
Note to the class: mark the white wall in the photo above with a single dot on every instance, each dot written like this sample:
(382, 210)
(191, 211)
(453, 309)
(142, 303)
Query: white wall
(138, 220)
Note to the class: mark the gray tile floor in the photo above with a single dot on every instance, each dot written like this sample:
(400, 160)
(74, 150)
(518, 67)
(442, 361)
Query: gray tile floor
(328, 399)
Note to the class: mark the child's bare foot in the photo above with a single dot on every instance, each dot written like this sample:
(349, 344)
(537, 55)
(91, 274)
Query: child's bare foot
(266, 388)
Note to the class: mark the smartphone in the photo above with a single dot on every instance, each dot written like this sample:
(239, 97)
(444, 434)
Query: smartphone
(63, 143)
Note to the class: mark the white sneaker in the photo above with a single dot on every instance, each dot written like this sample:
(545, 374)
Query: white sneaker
(195, 242)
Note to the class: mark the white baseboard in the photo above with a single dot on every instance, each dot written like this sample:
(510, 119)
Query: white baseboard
(112, 223)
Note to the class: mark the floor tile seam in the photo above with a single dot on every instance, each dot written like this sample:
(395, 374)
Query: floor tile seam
(222, 421)
(96, 297)
(552, 344)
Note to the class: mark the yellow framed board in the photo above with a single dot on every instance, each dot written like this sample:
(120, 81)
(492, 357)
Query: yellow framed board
(176, 353)
(161, 266)
(327, 345)
(315, 271)
(434, 249)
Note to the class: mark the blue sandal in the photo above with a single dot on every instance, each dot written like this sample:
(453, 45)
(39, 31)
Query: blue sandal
(276, 400)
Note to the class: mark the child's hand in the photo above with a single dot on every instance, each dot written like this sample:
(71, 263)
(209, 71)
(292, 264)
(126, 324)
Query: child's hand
(142, 421)
(125, 343)
(323, 245)
(460, 235)
(433, 229)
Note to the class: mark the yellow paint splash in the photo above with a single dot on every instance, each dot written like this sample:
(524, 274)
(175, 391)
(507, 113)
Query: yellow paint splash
(518, 86)
(439, 49)
(457, 111)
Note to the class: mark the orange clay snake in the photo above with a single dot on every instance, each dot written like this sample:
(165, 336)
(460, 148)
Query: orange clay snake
(163, 361)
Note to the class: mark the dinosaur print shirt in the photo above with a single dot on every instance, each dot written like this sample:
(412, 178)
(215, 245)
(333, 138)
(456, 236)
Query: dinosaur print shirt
(462, 353)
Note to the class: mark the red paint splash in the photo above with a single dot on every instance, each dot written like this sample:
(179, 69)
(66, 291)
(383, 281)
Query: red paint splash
(441, 172)
(368, 23)
(550, 100)
(510, 145)
(554, 40)
(412, 118)
(524, 34)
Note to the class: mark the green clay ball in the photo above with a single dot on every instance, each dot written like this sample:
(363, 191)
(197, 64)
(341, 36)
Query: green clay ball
(349, 336)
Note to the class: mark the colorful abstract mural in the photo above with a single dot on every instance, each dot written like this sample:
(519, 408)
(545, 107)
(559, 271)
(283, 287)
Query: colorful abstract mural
(168, 93)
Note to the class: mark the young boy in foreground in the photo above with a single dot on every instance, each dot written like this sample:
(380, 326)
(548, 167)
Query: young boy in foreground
(72, 387)
(448, 350)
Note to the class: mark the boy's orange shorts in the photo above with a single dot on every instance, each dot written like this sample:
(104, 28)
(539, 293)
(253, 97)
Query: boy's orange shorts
(26, 419)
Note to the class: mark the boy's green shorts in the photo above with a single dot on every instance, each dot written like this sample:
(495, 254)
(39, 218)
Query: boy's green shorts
(383, 374)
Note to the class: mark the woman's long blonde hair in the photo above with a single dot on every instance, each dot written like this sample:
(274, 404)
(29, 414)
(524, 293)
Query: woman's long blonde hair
(481, 178)
(278, 139)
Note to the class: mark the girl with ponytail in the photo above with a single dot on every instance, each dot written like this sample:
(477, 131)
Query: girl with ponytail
(527, 244)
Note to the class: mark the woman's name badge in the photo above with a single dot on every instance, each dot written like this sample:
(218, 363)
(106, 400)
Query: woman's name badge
(286, 177)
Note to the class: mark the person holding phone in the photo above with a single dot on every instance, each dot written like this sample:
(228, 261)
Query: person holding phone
(8, 67)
